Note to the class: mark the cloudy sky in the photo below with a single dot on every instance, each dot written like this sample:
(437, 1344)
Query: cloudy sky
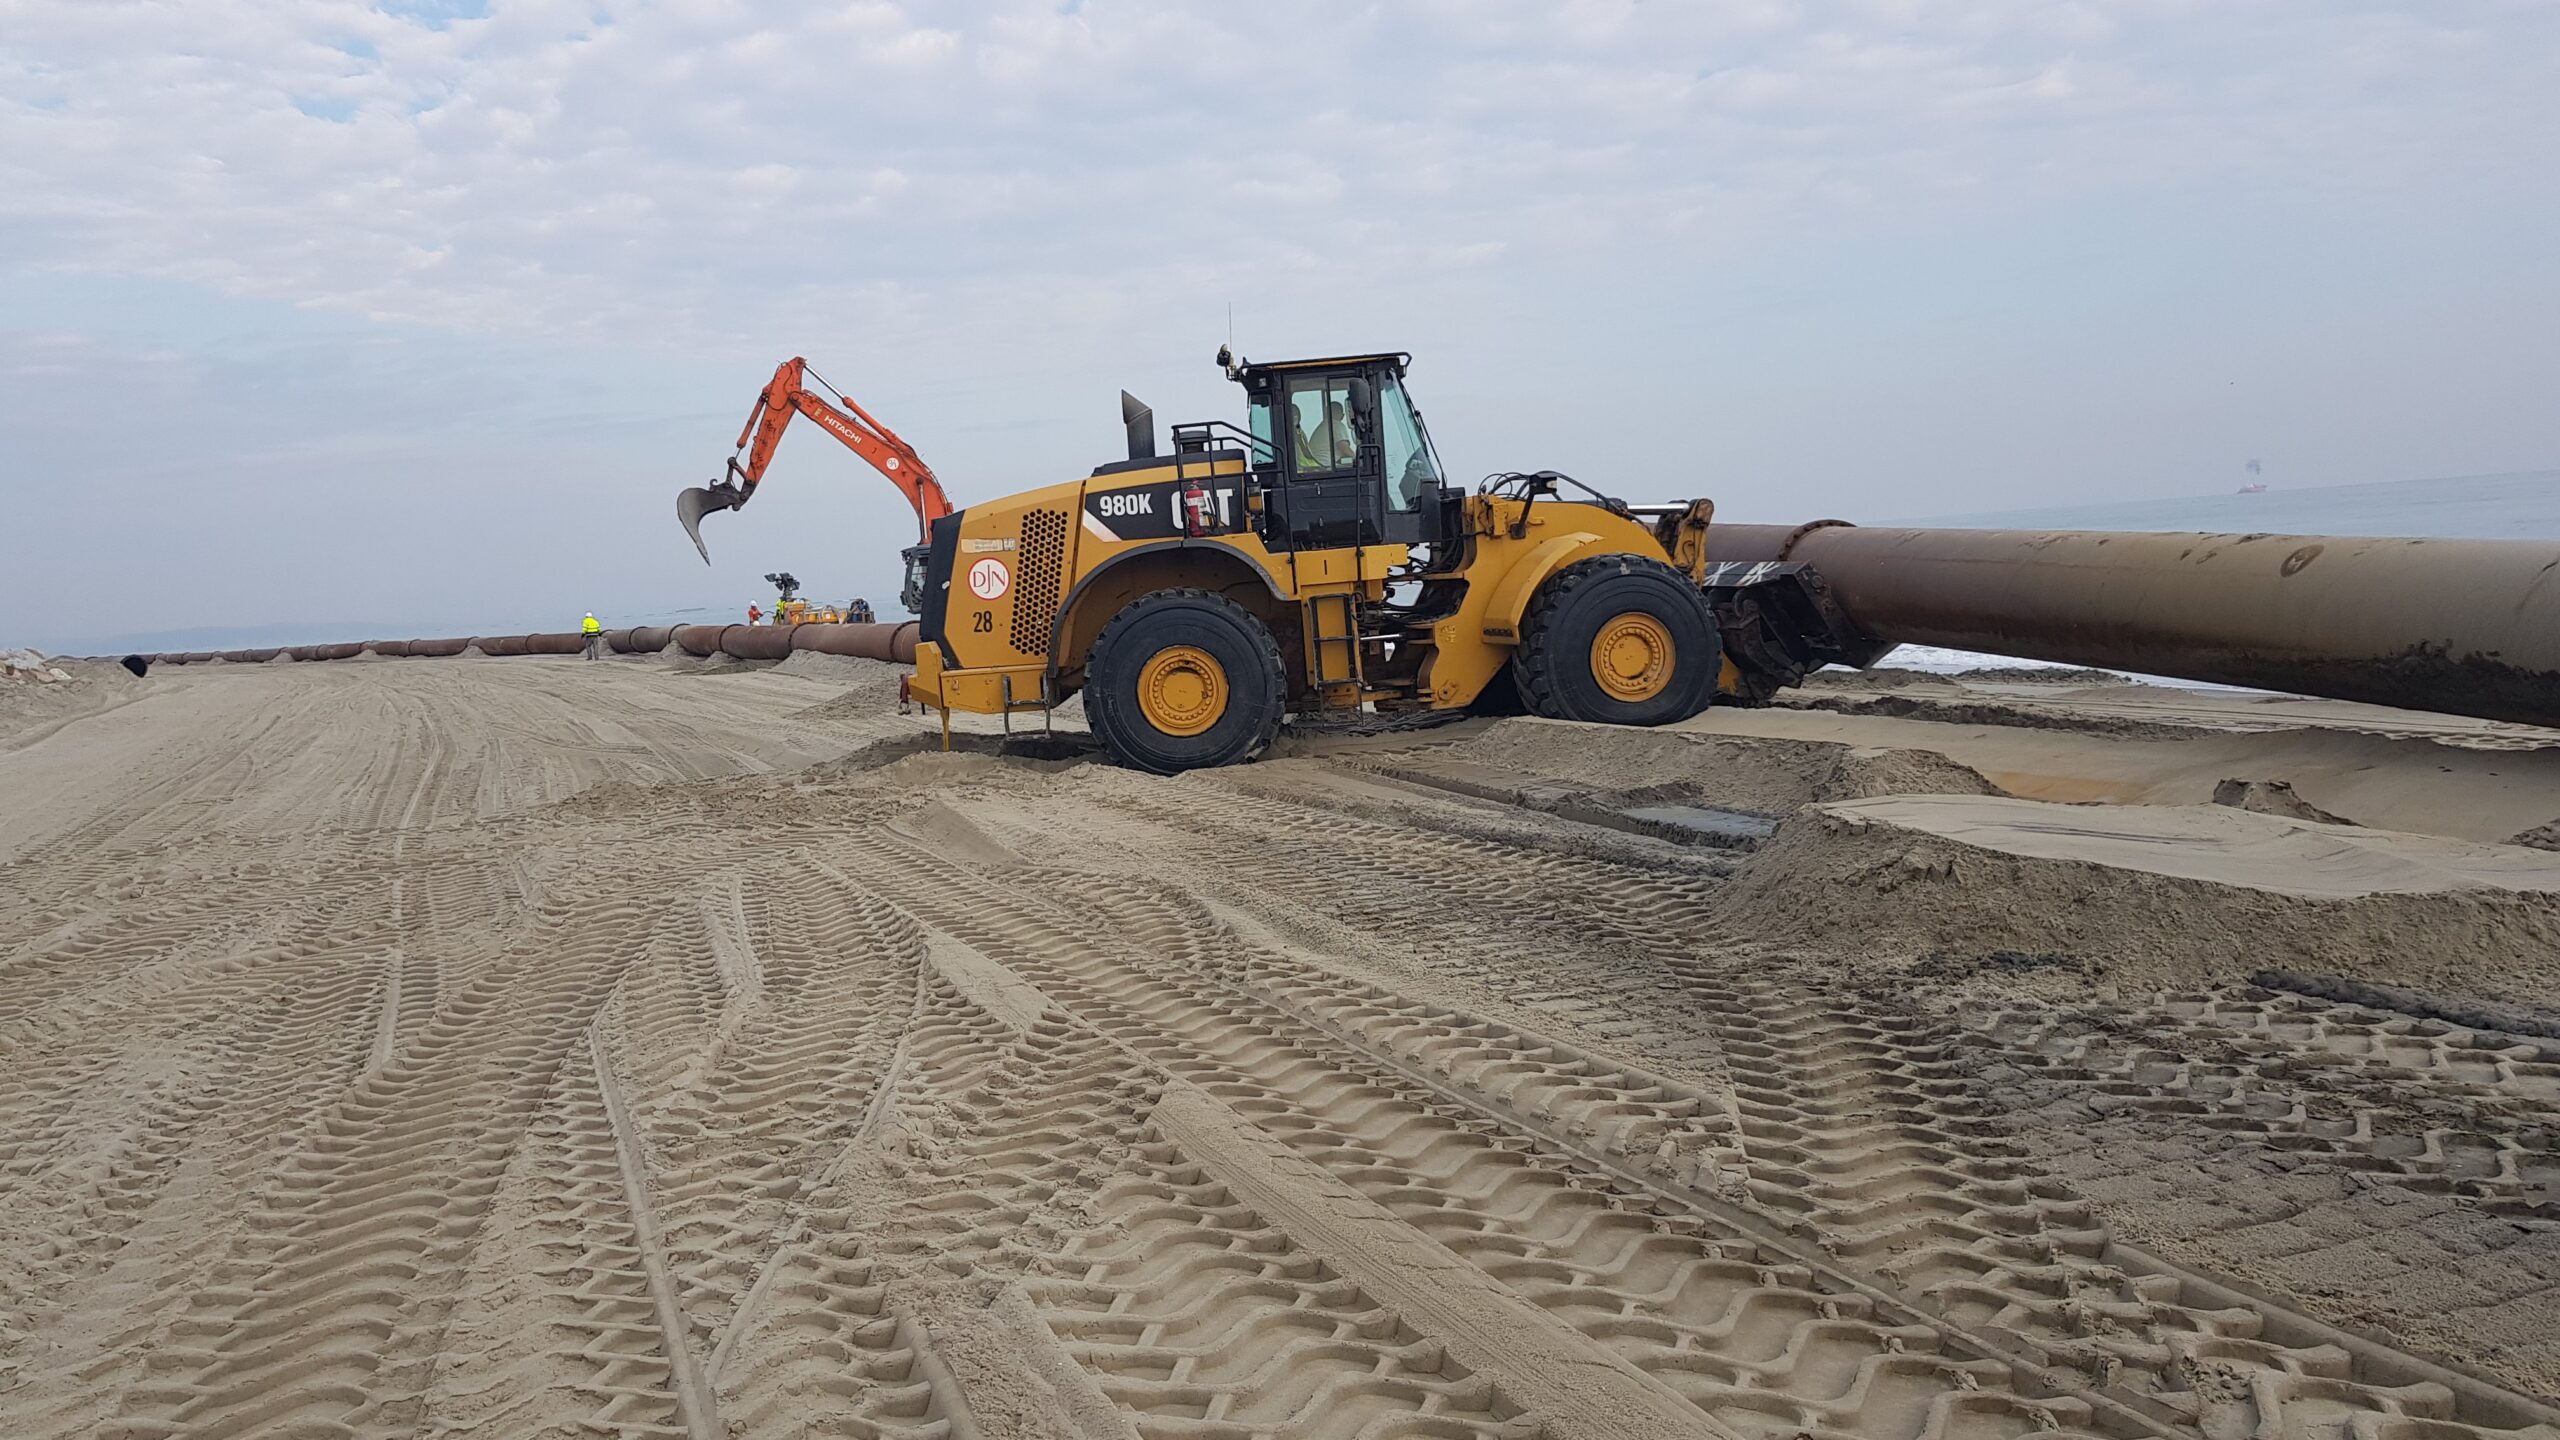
(418, 313)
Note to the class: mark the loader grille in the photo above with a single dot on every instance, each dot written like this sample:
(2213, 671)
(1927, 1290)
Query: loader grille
(1043, 562)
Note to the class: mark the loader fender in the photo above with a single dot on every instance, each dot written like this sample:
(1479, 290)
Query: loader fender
(1099, 593)
(1519, 585)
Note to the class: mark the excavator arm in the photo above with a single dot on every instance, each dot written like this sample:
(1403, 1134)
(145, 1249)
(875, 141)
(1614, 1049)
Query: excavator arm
(787, 395)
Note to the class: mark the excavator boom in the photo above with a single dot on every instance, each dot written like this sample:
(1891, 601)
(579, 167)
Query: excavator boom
(783, 396)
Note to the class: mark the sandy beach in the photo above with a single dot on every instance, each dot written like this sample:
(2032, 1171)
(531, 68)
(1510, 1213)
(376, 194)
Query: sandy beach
(519, 1047)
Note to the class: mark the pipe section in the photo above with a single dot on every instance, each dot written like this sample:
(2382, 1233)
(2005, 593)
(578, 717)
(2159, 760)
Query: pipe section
(893, 643)
(2463, 627)
(757, 642)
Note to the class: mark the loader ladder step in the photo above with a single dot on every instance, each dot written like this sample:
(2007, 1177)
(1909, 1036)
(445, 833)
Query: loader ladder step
(1344, 631)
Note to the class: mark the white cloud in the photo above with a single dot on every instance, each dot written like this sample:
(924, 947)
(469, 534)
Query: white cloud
(1765, 226)
(615, 169)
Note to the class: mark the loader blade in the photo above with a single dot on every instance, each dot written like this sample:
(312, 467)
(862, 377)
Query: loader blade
(692, 505)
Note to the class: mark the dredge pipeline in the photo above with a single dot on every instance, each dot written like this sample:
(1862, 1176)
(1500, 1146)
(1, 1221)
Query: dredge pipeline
(2461, 627)
(893, 643)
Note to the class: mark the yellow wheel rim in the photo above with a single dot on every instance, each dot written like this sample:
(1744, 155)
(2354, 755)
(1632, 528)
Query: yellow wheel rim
(1632, 657)
(1182, 690)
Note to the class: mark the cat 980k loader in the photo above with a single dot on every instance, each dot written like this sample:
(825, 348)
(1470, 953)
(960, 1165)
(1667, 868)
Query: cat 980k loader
(1317, 559)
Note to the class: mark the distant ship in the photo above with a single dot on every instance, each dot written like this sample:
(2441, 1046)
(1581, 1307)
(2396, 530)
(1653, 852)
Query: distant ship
(2254, 488)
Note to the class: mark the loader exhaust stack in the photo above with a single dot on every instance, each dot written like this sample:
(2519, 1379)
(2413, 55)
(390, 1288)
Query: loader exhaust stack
(1139, 419)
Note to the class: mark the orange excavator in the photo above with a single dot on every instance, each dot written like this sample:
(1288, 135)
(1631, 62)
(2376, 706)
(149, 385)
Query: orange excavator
(786, 395)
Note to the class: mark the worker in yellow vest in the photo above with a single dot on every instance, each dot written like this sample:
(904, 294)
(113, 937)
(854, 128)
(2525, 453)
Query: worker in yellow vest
(593, 629)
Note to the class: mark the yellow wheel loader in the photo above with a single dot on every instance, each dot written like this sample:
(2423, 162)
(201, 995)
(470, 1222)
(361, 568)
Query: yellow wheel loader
(1318, 560)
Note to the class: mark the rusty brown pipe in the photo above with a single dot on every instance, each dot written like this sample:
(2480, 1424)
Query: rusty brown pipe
(893, 643)
(2463, 627)
(757, 642)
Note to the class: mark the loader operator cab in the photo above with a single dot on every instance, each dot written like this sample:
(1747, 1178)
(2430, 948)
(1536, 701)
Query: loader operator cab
(1341, 455)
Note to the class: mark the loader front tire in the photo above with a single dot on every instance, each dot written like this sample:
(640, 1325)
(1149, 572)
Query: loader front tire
(1184, 680)
(1621, 640)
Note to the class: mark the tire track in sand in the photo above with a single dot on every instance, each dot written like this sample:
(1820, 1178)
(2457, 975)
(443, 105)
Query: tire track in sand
(1737, 1329)
(331, 1311)
(557, 1331)
(1862, 1126)
(983, 1149)
(165, 1145)
(1961, 1179)
(2359, 1094)
(814, 984)
(762, 1032)
(1205, 1320)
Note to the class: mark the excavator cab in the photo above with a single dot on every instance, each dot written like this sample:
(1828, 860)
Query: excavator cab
(1341, 454)
(911, 589)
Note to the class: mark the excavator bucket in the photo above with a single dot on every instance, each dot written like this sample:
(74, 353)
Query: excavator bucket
(701, 500)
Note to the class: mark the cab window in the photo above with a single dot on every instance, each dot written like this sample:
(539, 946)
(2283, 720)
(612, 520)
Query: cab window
(1257, 416)
(1410, 473)
(1320, 410)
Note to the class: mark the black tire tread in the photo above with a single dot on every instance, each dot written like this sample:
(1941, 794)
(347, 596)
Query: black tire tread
(1101, 708)
(1534, 664)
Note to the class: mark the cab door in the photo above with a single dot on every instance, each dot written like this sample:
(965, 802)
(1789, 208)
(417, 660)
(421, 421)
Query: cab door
(1328, 493)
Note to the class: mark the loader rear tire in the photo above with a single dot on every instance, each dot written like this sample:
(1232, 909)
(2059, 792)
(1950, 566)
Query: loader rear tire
(1621, 640)
(1184, 680)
